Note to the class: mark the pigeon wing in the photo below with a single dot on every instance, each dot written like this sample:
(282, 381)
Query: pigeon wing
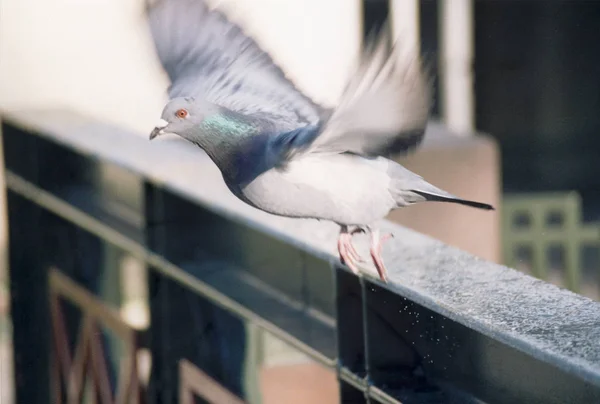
(385, 107)
(207, 56)
(383, 111)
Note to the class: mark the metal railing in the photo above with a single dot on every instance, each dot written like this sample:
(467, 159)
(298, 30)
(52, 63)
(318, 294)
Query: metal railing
(82, 195)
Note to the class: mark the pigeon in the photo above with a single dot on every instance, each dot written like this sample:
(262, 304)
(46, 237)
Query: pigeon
(277, 149)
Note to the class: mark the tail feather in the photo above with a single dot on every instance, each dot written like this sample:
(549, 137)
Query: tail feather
(453, 199)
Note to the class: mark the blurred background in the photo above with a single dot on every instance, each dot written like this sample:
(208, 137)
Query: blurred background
(515, 121)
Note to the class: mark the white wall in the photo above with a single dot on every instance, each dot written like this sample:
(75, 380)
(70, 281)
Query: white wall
(96, 56)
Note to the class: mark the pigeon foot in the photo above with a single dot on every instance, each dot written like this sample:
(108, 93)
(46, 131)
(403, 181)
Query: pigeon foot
(348, 254)
(376, 244)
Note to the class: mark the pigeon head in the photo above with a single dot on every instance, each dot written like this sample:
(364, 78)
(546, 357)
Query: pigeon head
(183, 116)
(219, 131)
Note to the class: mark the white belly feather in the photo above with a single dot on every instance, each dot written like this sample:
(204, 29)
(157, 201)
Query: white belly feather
(343, 188)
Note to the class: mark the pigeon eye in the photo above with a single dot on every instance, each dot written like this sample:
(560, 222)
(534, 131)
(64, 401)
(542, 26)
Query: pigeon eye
(181, 113)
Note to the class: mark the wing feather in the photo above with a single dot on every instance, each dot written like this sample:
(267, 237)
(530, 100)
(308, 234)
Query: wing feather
(385, 107)
(384, 111)
(207, 56)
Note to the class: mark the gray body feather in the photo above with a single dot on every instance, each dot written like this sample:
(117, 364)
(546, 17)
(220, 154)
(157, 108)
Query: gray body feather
(278, 150)
(344, 188)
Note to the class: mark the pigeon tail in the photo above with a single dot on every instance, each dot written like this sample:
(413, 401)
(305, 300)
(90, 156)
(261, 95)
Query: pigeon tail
(408, 188)
(453, 199)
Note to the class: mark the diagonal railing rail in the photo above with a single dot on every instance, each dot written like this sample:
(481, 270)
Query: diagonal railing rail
(447, 328)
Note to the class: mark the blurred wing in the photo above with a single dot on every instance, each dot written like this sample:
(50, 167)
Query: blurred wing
(385, 107)
(209, 57)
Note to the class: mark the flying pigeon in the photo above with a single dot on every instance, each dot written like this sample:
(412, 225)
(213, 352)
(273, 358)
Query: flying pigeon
(278, 150)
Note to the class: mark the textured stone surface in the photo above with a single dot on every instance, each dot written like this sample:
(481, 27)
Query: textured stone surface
(549, 323)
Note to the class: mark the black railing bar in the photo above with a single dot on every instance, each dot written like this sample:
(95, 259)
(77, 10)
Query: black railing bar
(65, 210)
(287, 300)
(220, 266)
(320, 316)
(437, 397)
(128, 214)
(338, 364)
(381, 396)
(458, 395)
(57, 206)
(91, 203)
(365, 330)
(305, 291)
(189, 281)
(353, 379)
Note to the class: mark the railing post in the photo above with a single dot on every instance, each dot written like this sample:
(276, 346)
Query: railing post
(29, 303)
(163, 376)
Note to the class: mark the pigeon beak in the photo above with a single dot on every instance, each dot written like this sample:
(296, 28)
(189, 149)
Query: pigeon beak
(159, 129)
